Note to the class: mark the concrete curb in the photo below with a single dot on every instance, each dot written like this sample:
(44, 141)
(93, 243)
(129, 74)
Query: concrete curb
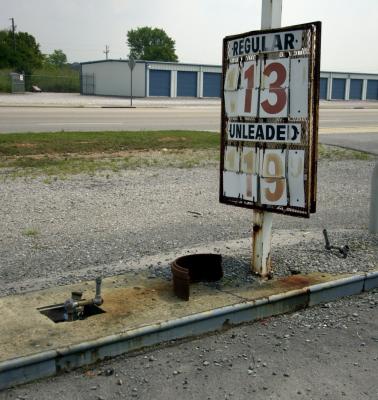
(48, 363)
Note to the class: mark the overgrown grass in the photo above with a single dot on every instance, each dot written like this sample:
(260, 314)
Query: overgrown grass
(60, 143)
(61, 154)
(67, 153)
(5, 81)
(50, 79)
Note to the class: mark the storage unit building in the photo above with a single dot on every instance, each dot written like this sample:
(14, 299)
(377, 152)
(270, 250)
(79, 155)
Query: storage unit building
(212, 84)
(372, 89)
(160, 83)
(169, 79)
(187, 80)
(186, 83)
(355, 92)
(323, 88)
(338, 89)
(348, 86)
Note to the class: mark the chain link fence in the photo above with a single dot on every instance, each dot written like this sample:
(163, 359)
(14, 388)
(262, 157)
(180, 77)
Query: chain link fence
(5, 82)
(46, 82)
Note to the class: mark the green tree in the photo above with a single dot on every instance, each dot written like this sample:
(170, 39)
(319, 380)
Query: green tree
(151, 44)
(56, 59)
(26, 55)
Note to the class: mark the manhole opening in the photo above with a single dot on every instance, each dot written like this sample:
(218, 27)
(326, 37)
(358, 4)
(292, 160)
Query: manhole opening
(58, 314)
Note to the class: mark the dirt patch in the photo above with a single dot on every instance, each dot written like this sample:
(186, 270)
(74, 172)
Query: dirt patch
(169, 139)
(25, 145)
(97, 156)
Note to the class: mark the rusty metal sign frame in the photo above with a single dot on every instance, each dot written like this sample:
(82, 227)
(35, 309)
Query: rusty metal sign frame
(311, 40)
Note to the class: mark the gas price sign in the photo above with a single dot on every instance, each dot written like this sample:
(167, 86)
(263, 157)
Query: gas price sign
(270, 119)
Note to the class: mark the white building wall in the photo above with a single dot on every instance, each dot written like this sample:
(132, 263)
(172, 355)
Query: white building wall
(184, 67)
(112, 78)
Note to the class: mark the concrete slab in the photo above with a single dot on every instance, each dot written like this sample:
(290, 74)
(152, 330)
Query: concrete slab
(140, 312)
(130, 302)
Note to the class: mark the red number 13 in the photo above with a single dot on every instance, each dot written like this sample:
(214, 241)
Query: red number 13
(275, 87)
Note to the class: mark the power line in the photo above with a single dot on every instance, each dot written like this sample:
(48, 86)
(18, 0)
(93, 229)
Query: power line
(106, 51)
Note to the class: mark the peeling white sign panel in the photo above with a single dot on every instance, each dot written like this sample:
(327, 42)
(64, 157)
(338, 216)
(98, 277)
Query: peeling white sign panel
(270, 119)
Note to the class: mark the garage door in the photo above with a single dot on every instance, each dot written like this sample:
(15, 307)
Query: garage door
(338, 89)
(355, 92)
(187, 84)
(323, 88)
(212, 84)
(160, 82)
(372, 90)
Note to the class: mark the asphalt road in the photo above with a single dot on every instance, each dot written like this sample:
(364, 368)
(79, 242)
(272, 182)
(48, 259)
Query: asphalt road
(39, 119)
(354, 128)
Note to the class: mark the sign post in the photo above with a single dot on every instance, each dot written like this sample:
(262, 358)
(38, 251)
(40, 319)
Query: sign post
(131, 66)
(269, 124)
(271, 12)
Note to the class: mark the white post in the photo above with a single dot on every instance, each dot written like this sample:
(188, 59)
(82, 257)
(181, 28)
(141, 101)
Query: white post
(173, 83)
(262, 220)
(271, 14)
(329, 90)
(373, 217)
(200, 82)
(364, 89)
(347, 89)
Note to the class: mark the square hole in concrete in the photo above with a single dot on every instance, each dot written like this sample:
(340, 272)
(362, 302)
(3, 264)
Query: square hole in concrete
(57, 314)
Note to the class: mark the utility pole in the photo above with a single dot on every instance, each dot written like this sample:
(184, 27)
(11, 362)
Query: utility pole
(106, 51)
(13, 34)
(262, 220)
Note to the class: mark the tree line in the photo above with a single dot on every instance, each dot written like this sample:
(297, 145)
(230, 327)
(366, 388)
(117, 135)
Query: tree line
(21, 52)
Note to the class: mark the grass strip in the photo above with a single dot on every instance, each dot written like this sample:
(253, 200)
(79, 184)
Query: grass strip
(67, 153)
(26, 144)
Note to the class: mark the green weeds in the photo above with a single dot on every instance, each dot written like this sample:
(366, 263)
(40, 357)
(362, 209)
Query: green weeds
(61, 154)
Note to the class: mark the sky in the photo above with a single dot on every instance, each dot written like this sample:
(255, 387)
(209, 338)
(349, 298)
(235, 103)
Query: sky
(82, 28)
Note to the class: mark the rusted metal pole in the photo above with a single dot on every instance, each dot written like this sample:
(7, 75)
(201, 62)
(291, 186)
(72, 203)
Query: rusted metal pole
(271, 12)
(261, 242)
(373, 217)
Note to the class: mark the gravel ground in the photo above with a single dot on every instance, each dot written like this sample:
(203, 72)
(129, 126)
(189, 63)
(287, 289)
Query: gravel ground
(324, 352)
(74, 229)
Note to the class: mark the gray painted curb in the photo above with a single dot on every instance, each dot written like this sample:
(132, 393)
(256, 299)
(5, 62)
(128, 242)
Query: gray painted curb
(48, 363)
